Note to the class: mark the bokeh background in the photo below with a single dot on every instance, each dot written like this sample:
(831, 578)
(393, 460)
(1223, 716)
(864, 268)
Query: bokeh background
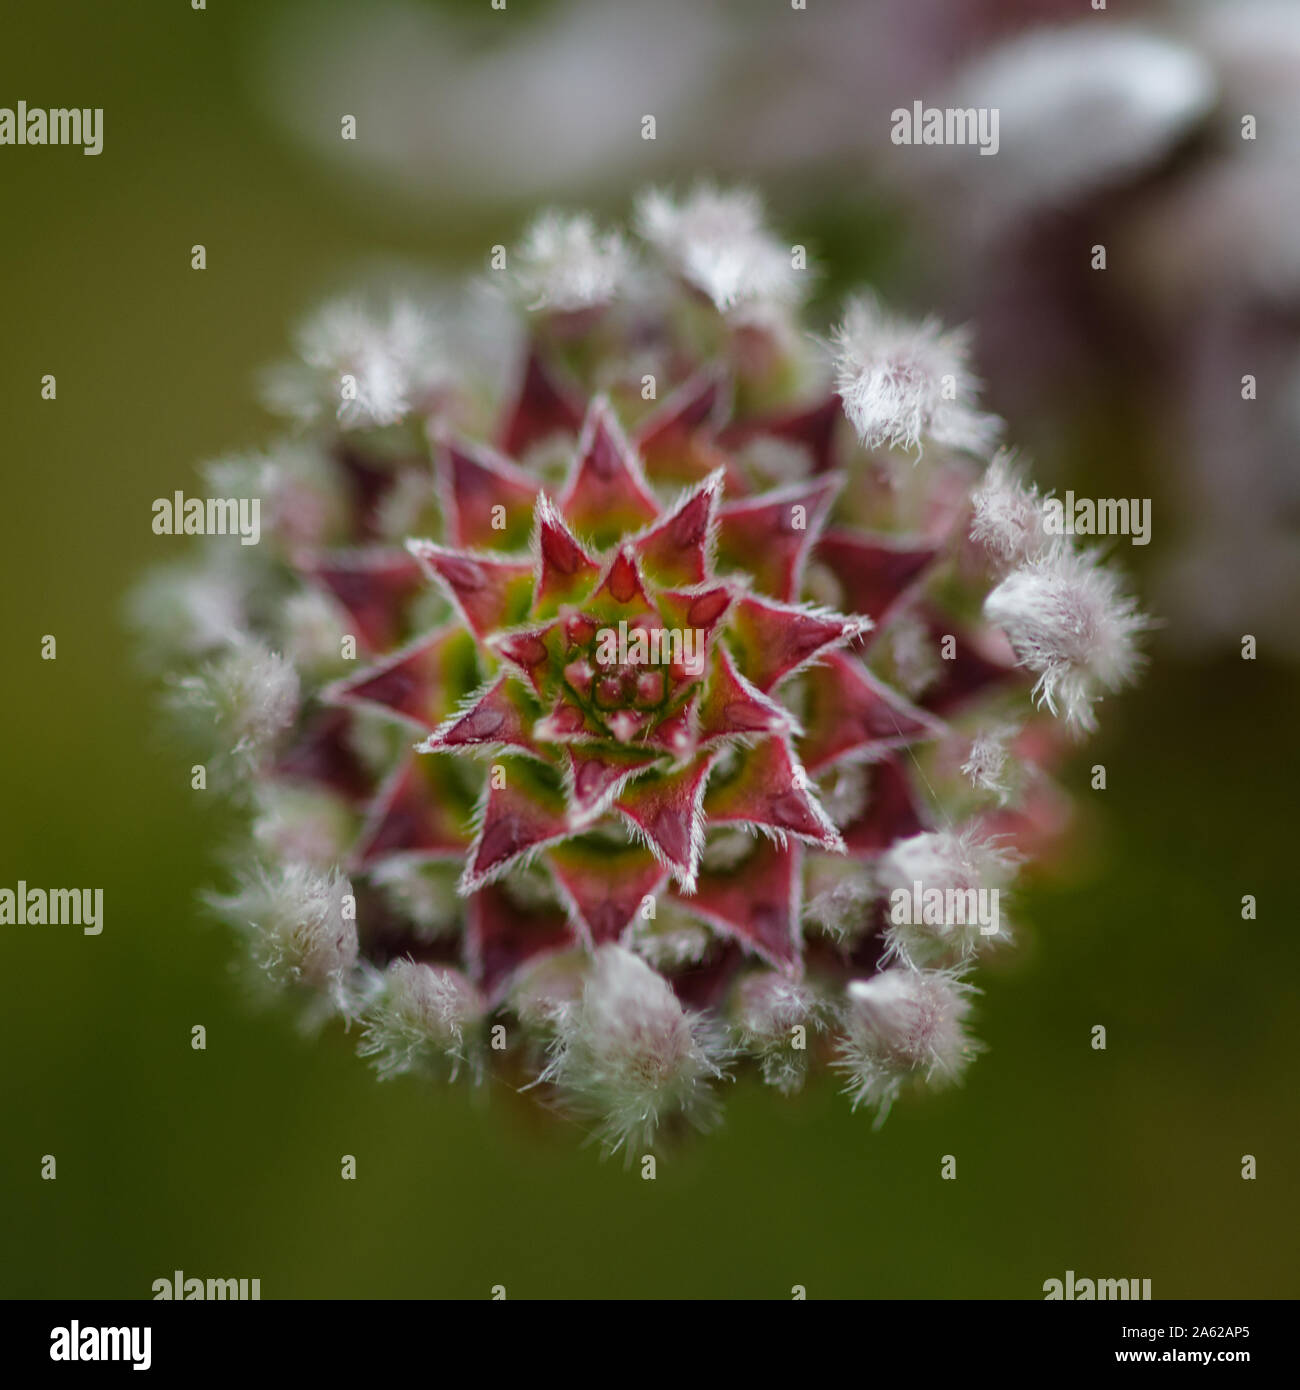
(1122, 1163)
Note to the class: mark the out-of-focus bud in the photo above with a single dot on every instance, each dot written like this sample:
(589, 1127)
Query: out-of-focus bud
(422, 1018)
(629, 1056)
(900, 1024)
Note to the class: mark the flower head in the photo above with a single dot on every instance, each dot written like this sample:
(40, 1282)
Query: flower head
(562, 689)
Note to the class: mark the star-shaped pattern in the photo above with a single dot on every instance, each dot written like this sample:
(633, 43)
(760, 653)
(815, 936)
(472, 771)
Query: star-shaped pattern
(612, 686)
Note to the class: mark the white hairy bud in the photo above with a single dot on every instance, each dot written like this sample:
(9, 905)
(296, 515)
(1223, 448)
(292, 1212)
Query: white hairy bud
(1070, 622)
(900, 1024)
(904, 383)
(628, 1054)
(301, 926)
(943, 894)
(422, 1018)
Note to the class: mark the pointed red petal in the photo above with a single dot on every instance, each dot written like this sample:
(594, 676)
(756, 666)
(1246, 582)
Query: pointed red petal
(489, 593)
(891, 812)
(770, 790)
(769, 537)
(542, 410)
(523, 812)
(421, 684)
(700, 610)
(476, 481)
(606, 495)
(814, 429)
(621, 587)
(675, 733)
(676, 550)
(501, 937)
(532, 651)
(665, 809)
(732, 707)
(757, 903)
(597, 774)
(566, 573)
(606, 885)
(569, 723)
(873, 574)
(849, 711)
(773, 639)
(374, 586)
(419, 812)
(501, 716)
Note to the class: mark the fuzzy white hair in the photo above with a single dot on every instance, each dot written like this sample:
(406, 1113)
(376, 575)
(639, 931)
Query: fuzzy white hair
(718, 242)
(423, 1018)
(899, 1024)
(1070, 622)
(564, 263)
(628, 1055)
(905, 383)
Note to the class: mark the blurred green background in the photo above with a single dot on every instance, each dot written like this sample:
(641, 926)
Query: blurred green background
(1123, 1163)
